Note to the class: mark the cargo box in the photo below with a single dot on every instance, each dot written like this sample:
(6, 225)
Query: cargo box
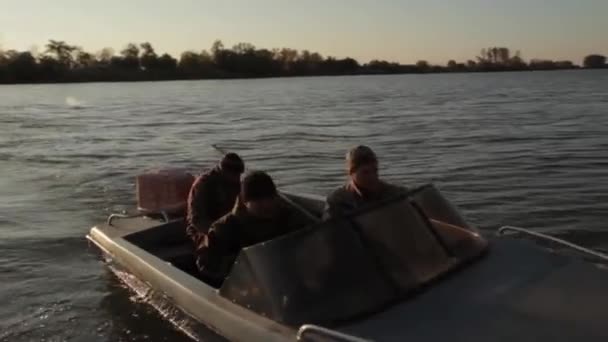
(163, 190)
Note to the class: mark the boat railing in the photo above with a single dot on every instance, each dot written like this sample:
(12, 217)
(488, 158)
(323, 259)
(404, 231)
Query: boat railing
(112, 217)
(310, 332)
(504, 230)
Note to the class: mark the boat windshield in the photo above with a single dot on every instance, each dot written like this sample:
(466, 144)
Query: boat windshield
(438, 208)
(343, 268)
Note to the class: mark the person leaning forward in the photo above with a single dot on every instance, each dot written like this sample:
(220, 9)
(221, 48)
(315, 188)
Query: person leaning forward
(259, 215)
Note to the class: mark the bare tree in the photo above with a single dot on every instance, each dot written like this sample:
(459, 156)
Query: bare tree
(61, 51)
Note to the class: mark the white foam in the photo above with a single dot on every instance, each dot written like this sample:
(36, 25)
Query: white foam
(73, 102)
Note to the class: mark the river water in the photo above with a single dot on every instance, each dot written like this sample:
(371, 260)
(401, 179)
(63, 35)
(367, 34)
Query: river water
(526, 149)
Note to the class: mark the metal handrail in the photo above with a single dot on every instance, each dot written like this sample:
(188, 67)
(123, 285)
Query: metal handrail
(502, 230)
(310, 328)
(123, 216)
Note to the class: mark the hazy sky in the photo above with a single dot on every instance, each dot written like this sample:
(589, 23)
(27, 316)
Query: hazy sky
(399, 30)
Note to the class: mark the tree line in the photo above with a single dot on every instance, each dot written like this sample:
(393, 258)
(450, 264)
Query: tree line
(62, 62)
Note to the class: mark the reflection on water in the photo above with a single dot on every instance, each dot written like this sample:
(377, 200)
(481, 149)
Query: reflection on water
(523, 149)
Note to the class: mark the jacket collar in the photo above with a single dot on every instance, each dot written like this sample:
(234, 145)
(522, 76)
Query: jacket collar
(352, 187)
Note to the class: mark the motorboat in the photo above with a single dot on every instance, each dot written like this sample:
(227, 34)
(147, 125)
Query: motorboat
(406, 269)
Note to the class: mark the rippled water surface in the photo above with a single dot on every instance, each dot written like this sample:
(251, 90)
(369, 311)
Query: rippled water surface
(527, 149)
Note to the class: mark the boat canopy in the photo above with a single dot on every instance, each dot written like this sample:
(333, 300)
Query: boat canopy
(346, 267)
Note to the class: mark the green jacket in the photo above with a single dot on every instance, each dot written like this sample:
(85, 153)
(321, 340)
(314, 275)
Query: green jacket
(239, 229)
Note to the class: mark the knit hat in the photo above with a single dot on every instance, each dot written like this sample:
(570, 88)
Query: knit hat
(359, 156)
(232, 162)
(257, 185)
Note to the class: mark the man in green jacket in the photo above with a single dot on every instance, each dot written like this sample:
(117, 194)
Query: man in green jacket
(259, 215)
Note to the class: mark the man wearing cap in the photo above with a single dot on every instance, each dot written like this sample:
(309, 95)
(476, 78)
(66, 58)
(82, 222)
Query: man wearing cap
(260, 215)
(364, 186)
(213, 194)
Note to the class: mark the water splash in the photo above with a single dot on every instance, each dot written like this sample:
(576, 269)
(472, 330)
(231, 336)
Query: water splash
(74, 103)
(143, 293)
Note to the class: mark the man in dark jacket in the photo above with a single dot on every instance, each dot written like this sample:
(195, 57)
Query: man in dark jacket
(364, 186)
(260, 215)
(213, 194)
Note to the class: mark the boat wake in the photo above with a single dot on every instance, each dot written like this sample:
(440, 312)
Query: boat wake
(142, 293)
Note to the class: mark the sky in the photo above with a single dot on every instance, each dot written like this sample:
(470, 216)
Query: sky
(397, 30)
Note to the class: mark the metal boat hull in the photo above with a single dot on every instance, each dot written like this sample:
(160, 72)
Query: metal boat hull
(518, 291)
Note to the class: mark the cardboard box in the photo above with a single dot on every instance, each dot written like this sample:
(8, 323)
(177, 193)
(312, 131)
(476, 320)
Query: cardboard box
(163, 190)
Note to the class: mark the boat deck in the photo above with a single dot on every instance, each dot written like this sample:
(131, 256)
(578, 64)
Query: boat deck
(520, 292)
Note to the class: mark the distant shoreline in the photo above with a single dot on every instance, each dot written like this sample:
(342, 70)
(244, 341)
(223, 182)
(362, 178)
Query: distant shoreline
(278, 77)
(64, 63)
(283, 77)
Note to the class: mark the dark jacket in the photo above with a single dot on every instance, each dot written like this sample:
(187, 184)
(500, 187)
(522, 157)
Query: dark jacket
(210, 198)
(238, 230)
(348, 198)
